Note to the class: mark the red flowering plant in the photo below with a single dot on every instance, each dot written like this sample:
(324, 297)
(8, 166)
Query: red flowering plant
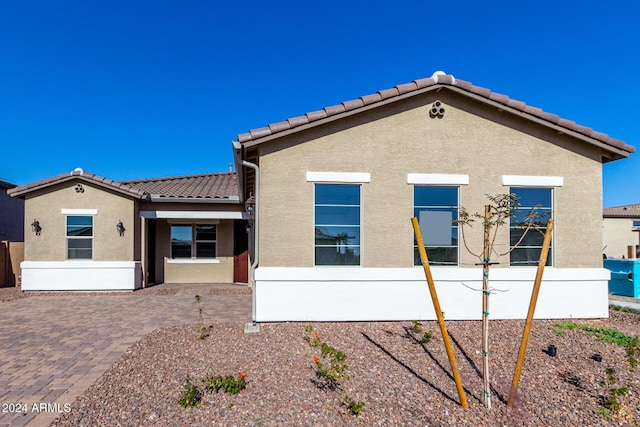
(228, 384)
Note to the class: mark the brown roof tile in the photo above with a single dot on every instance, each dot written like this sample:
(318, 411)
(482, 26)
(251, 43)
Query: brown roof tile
(437, 80)
(628, 211)
(221, 186)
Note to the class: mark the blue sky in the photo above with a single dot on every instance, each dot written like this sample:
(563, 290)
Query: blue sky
(134, 89)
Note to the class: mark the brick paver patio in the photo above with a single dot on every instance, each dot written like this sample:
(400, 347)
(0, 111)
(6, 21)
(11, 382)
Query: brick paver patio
(53, 347)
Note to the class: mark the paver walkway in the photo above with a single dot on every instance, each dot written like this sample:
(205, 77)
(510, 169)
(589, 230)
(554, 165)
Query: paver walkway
(53, 347)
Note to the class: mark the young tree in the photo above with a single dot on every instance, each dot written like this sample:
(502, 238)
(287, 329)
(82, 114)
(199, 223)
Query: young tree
(496, 214)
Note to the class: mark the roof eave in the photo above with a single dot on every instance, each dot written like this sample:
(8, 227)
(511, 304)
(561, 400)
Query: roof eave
(24, 190)
(332, 118)
(615, 153)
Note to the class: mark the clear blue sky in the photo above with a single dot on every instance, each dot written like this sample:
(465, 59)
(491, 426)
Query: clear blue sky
(134, 89)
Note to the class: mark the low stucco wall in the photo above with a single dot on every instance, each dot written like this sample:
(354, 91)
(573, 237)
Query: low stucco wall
(81, 275)
(380, 294)
(219, 270)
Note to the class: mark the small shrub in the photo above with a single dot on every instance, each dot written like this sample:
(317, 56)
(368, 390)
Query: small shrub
(203, 331)
(614, 396)
(426, 337)
(227, 384)
(191, 396)
(311, 336)
(417, 326)
(354, 407)
(334, 369)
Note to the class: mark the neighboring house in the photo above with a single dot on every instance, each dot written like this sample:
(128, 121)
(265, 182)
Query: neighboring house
(621, 231)
(335, 190)
(86, 232)
(11, 215)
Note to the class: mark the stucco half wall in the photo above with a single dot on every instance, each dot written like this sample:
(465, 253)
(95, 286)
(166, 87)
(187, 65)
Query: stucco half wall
(81, 275)
(380, 294)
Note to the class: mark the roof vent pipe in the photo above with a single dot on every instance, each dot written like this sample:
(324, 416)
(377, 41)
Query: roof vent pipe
(435, 75)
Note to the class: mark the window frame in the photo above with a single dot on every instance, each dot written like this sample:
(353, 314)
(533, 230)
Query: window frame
(69, 238)
(354, 184)
(551, 210)
(416, 258)
(193, 242)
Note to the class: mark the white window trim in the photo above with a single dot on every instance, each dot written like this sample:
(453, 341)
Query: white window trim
(553, 232)
(339, 177)
(79, 211)
(532, 181)
(458, 254)
(313, 241)
(437, 179)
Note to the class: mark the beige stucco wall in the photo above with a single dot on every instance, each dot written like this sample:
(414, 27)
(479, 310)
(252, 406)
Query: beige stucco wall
(391, 142)
(617, 236)
(221, 272)
(51, 245)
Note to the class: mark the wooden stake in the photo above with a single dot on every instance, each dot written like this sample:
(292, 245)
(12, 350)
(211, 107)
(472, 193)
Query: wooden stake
(485, 307)
(532, 308)
(436, 307)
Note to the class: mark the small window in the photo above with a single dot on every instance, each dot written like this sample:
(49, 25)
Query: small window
(193, 241)
(529, 249)
(636, 223)
(436, 208)
(79, 237)
(337, 224)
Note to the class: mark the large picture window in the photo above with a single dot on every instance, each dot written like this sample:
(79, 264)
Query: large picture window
(529, 249)
(193, 240)
(79, 237)
(436, 208)
(337, 224)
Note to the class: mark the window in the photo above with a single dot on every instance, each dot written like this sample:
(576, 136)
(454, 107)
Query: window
(193, 241)
(79, 237)
(528, 251)
(436, 208)
(337, 224)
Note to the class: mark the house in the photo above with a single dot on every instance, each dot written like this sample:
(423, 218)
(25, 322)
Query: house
(86, 232)
(11, 215)
(621, 231)
(335, 190)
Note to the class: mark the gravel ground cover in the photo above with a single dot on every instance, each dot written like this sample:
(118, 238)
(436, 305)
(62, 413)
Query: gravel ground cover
(400, 380)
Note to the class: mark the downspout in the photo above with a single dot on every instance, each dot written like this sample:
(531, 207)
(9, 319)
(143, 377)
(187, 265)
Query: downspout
(256, 224)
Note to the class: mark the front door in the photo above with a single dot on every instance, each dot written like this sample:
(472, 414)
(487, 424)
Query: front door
(241, 268)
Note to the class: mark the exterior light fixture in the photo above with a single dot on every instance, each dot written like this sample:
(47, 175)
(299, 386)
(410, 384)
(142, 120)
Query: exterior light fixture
(250, 205)
(120, 228)
(35, 227)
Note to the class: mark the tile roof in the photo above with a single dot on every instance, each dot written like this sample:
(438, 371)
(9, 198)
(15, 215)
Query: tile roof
(628, 211)
(214, 186)
(438, 80)
(221, 186)
(78, 173)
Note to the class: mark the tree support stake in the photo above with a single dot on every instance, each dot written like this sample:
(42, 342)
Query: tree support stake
(436, 307)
